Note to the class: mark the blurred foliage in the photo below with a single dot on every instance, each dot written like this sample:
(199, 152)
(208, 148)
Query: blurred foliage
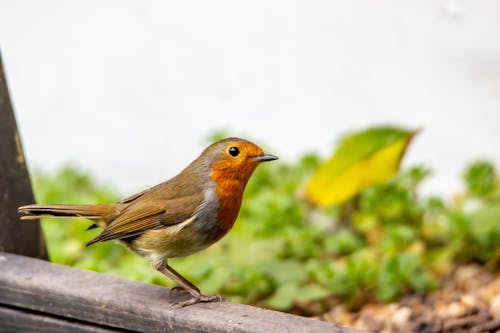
(361, 160)
(480, 178)
(383, 243)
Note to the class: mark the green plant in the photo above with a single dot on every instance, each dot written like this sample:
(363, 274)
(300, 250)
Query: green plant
(382, 244)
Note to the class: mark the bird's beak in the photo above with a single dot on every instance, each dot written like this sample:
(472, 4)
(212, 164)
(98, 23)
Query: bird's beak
(264, 158)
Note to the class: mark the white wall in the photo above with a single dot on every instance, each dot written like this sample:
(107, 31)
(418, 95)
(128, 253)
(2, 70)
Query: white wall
(130, 89)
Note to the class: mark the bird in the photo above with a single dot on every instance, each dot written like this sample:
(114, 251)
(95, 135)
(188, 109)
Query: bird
(178, 217)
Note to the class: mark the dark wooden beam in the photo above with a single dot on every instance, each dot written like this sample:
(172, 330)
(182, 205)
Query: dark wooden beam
(108, 301)
(15, 187)
(20, 321)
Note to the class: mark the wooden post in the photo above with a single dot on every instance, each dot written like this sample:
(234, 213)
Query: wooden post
(18, 237)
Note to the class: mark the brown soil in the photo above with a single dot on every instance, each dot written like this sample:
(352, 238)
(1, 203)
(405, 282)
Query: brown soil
(468, 301)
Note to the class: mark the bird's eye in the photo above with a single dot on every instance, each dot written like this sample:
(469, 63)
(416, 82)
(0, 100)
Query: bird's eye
(234, 151)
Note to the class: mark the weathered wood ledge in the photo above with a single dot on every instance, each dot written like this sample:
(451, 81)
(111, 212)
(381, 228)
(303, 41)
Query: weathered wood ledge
(38, 294)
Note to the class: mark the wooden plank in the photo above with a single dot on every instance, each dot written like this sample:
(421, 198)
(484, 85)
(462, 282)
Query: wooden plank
(19, 321)
(91, 297)
(15, 187)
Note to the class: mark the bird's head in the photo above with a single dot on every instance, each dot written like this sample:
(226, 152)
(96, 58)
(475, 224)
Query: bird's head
(234, 159)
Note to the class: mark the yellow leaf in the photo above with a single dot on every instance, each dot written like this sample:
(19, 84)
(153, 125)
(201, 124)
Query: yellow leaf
(363, 159)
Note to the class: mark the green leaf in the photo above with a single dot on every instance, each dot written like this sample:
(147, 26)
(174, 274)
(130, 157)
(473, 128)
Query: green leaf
(480, 178)
(312, 292)
(285, 271)
(485, 225)
(343, 242)
(284, 296)
(361, 160)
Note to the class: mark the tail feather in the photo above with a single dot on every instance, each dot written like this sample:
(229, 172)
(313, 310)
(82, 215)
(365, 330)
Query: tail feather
(92, 212)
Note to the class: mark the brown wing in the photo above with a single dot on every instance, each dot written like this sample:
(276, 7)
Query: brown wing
(141, 215)
(134, 196)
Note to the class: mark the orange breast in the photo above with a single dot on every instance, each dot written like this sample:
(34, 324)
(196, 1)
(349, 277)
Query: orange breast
(229, 193)
(230, 178)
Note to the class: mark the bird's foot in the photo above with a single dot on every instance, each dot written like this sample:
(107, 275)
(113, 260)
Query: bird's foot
(202, 298)
(199, 299)
(178, 289)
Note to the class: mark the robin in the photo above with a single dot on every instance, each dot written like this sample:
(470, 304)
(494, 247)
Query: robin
(178, 217)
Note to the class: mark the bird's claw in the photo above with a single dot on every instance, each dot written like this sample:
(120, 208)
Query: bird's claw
(178, 289)
(199, 299)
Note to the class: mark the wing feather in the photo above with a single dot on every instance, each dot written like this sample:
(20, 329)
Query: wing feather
(141, 215)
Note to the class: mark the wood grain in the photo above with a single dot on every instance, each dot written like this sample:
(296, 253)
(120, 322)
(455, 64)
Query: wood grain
(19, 321)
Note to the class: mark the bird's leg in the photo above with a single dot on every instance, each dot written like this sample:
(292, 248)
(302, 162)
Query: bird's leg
(181, 280)
(186, 285)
